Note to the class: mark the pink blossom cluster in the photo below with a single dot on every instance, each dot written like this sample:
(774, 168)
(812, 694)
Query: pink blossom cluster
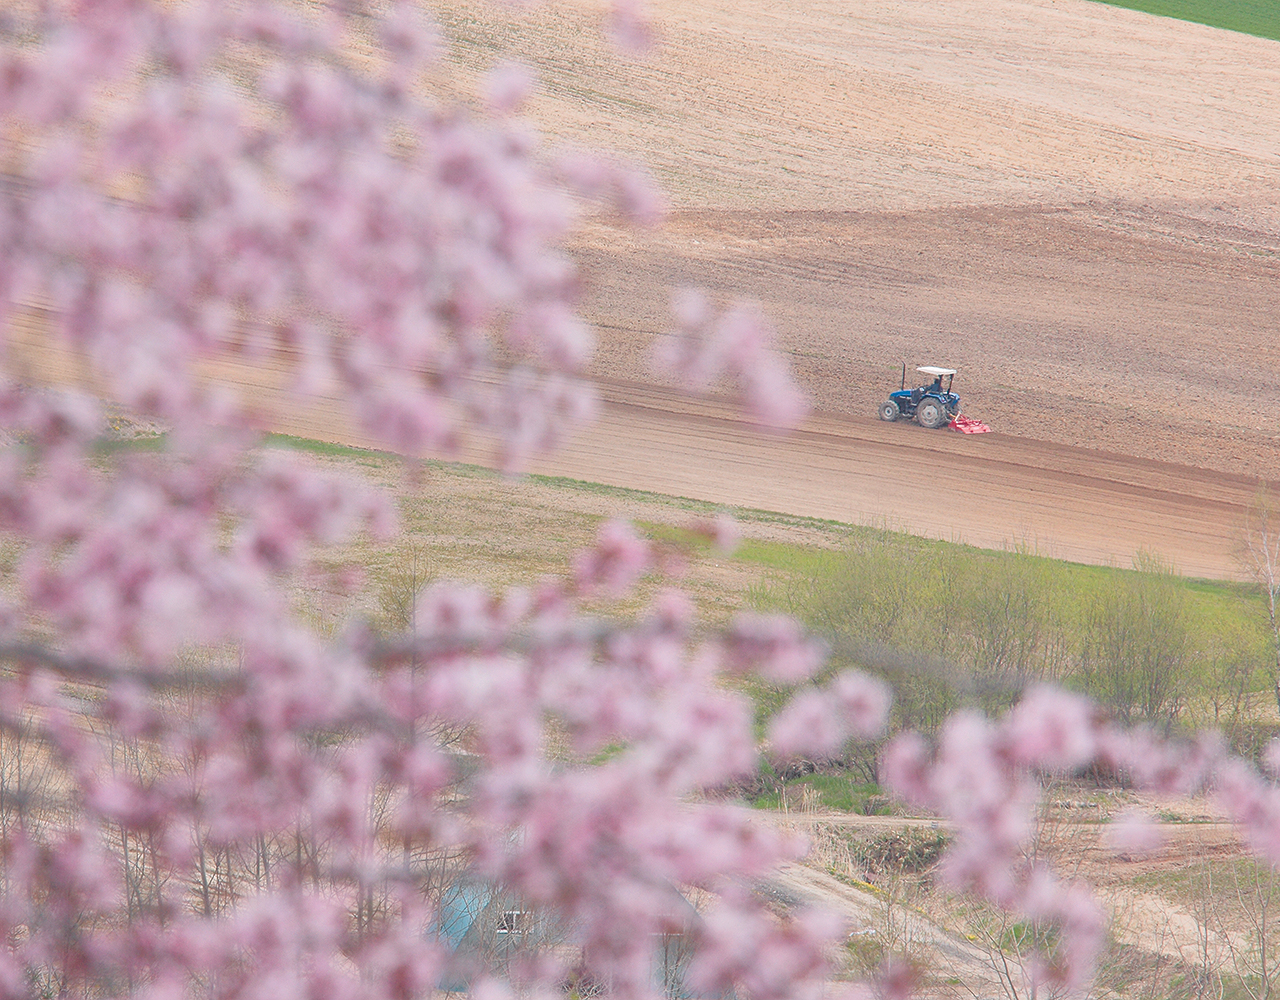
(819, 720)
(275, 770)
(736, 937)
(259, 189)
(985, 776)
(737, 344)
(286, 816)
(202, 794)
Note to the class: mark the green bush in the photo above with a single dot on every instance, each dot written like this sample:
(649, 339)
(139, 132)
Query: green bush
(825, 792)
(950, 625)
(1135, 643)
(909, 851)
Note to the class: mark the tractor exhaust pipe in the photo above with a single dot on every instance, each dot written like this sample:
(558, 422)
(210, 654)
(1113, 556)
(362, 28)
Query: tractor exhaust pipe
(904, 374)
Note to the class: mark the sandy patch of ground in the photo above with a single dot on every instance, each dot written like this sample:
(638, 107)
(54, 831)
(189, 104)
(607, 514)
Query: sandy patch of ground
(1165, 903)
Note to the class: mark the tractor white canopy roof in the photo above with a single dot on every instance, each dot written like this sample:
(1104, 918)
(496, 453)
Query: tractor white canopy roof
(934, 370)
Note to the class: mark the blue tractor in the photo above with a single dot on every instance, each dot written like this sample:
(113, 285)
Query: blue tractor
(932, 405)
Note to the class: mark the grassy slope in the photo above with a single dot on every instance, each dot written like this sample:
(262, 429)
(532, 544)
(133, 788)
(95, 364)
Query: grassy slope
(471, 523)
(799, 547)
(1252, 17)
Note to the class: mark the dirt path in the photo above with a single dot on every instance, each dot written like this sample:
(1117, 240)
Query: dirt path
(950, 956)
(1174, 924)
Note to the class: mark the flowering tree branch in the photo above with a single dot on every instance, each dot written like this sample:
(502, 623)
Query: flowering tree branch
(189, 181)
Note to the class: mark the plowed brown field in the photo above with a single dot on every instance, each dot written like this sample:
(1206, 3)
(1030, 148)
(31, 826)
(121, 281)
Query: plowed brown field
(1076, 205)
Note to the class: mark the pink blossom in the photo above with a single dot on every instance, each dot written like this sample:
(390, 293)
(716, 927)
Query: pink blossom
(1052, 729)
(1252, 803)
(864, 702)
(1134, 832)
(1271, 757)
(809, 723)
(738, 343)
(279, 804)
(408, 36)
(690, 309)
(1081, 921)
(673, 611)
(904, 768)
(617, 561)
(507, 86)
(771, 395)
(772, 645)
(1161, 766)
(630, 26)
(722, 531)
(738, 945)
(895, 980)
(817, 721)
(468, 614)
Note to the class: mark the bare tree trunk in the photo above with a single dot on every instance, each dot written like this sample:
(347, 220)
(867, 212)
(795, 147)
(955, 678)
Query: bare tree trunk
(262, 865)
(205, 901)
(1264, 927)
(1262, 559)
(1275, 634)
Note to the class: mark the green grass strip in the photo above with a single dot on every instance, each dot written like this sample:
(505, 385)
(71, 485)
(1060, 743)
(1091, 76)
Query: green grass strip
(1251, 17)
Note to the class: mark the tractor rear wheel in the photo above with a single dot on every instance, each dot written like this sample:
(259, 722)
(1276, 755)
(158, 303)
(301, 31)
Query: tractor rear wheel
(889, 410)
(931, 413)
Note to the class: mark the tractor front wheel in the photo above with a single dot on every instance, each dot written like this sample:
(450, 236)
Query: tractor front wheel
(931, 413)
(889, 410)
